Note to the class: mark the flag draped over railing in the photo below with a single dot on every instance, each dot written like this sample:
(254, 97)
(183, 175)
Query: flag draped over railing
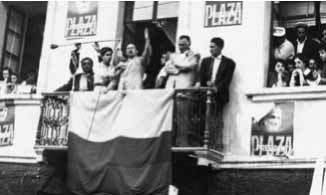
(120, 143)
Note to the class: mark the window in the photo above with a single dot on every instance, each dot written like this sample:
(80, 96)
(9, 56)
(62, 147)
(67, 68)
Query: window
(152, 10)
(296, 39)
(14, 40)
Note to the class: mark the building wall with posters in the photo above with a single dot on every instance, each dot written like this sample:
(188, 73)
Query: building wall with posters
(247, 42)
(252, 32)
(54, 70)
(246, 30)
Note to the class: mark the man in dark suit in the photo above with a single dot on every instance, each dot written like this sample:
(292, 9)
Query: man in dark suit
(83, 81)
(217, 71)
(303, 44)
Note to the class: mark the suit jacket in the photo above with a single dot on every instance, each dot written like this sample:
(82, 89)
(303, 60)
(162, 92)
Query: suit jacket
(310, 49)
(68, 85)
(223, 76)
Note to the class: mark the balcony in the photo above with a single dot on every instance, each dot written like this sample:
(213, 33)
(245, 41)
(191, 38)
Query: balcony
(196, 123)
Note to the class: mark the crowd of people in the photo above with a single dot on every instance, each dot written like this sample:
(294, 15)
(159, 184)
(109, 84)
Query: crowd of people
(298, 63)
(180, 70)
(10, 83)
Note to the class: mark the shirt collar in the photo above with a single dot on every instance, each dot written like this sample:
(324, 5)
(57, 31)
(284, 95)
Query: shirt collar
(302, 41)
(219, 57)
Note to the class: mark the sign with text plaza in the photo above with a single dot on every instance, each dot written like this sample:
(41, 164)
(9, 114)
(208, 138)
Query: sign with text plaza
(223, 13)
(81, 19)
(7, 120)
(272, 134)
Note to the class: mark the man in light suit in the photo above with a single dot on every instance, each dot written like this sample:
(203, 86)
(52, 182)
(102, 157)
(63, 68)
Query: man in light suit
(180, 70)
(217, 71)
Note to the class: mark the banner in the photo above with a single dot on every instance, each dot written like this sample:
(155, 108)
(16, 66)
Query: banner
(273, 134)
(120, 142)
(7, 121)
(81, 19)
(223, 13)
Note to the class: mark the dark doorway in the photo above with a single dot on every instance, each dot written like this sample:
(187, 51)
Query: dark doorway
(33, 46)
(161, 41)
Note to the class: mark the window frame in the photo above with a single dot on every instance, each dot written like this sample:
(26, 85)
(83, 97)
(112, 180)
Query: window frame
(129, 12)
(20, 35)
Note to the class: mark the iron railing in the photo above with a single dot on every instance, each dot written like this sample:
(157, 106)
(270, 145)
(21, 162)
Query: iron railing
(54, 118)
(197, 121)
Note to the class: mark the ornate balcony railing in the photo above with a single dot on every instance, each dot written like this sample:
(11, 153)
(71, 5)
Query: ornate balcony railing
(53, 123)
(197, 121)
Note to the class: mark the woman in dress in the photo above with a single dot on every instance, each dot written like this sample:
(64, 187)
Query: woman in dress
(107, 73)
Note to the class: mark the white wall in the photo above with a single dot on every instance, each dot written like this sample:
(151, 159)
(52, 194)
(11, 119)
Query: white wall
(27, 112)
(247, 44)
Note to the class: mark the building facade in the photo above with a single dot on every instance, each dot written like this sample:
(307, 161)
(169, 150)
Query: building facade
(252, 163)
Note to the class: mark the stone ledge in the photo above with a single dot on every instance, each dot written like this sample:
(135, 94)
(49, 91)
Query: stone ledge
(287, 93)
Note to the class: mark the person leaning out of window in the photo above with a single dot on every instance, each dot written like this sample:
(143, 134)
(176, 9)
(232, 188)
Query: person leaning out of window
(303, 75)
(279, 77)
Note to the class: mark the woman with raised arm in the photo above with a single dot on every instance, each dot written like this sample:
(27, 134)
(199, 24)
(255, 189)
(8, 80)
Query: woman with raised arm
(107, 73)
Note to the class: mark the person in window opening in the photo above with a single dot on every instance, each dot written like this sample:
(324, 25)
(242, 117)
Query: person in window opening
(107, 73)
(279, 77)
(161, 80)
(217, 71)
(303, 44)
(13, 85)
(322, 58)
(82, 81)
(283, 48)
(181, 68)
(298, 76)
(312, 73)
(6, 74)
(134, 67)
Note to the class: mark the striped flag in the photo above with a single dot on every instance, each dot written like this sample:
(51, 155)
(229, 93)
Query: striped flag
(120, 142)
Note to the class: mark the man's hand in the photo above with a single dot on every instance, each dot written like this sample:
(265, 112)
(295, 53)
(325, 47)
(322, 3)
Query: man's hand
(171, 69)
(146, 34)
(96, 46)
(121, 66)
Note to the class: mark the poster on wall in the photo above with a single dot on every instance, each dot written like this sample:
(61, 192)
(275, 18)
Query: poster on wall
(81, 19)
(223, 13)
(7, 120)
(272, 135)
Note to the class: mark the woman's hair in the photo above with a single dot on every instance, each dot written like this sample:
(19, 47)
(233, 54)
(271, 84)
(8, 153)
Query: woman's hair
(15, 74)
(281, 61)
(104, 50)
(302, 58)
(87, 58)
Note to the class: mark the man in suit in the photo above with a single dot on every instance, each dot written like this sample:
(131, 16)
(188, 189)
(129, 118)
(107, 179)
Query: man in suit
(217, 71)
(303, 44)
(82, 81)
(180, 70)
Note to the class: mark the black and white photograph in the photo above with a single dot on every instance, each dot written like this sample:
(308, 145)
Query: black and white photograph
(166, 97)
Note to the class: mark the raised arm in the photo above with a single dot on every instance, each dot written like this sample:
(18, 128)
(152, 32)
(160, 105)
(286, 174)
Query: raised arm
(117, 54)
(145, 57)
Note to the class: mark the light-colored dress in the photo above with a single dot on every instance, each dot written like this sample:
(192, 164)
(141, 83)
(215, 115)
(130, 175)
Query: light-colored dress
(103, 75)
(132, 77)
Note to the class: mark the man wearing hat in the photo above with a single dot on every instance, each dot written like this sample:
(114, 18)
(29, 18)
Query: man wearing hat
(283, 50)
(303, 44)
